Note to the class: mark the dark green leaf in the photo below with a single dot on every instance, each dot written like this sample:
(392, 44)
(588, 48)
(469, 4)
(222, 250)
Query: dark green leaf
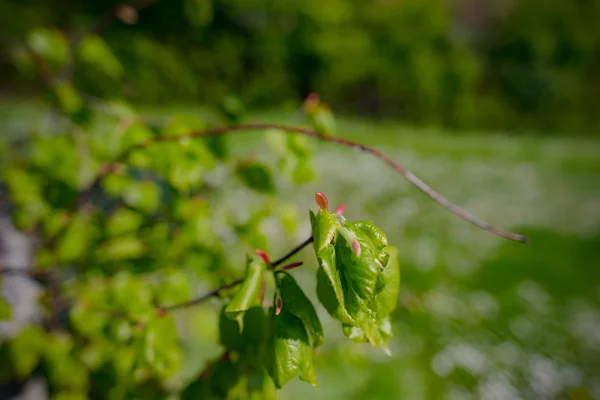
(289, 353)
(256, 176)
(229, 332)
(329, 285)
(296, 303)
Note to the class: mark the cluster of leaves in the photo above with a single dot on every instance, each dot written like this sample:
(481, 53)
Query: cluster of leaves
(127, 216)
(357, 282)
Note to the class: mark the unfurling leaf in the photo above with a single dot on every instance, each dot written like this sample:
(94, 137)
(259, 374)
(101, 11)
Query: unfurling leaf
(356, 282)
(248, 294)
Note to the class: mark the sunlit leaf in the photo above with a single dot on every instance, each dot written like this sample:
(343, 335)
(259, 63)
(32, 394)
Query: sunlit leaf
(247, 295)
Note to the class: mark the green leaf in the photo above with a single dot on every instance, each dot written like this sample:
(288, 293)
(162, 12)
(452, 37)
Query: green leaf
(123, 221)
(295, 302)
(329, 285)
(289, 352)
(256, 176)
(69, 100)
(198, 12)
(50, 44)
(97, 54)
(145, 196)
(74, 243)
(387, 299)
(323, 121)
(173, 288)
(131, 294)
(5, 310)
(26, 349)
(229, 332)
(64, 370)
(160, 347)
(120, 248)
(303, 173)
(324, 227)
(369, 230)
(248, 293)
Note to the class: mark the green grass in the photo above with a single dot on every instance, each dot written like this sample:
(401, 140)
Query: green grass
(478, 314)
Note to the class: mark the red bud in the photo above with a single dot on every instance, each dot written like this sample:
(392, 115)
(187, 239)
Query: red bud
(322, 201)
(161, 313)
(356, 247)
(293, 265)
(278, 305)
(340, 210)
(263, 255)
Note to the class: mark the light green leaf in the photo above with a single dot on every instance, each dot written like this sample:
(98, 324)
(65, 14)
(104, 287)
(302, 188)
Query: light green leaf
(120, 248)
(123, 221)
(173, 288)
(248, 293)
(145, 196)
(26, 349)
(97, 54)
(160, 347)
(295, 302)
(74, 243)
(256, 176)
(69, 100)
(131, 294)
(387, 299)
(324, 227)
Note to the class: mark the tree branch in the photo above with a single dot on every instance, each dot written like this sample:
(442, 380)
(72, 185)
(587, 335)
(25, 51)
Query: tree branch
(225, 130)
(217, 291)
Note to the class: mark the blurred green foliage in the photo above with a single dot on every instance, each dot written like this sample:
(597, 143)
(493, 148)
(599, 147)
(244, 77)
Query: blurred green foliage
(463, 64)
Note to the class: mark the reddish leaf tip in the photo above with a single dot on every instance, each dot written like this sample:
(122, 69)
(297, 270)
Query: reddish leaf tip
(322, 201)
(263, 255)
(340, 210)
(356, 248)
(161, 313)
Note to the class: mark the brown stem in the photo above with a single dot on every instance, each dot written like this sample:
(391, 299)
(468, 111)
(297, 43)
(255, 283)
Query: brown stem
(225, 130)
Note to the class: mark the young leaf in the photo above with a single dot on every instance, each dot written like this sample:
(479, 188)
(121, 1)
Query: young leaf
(296, 303)
(387, 299)
(248, 293)
(289, 353)
(256, 176)
(324, 227)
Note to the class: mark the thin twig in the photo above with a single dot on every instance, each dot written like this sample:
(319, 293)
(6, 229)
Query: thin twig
(216, 292)
(225, 130)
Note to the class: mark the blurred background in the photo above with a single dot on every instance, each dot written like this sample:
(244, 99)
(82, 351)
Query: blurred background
(493, 103)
